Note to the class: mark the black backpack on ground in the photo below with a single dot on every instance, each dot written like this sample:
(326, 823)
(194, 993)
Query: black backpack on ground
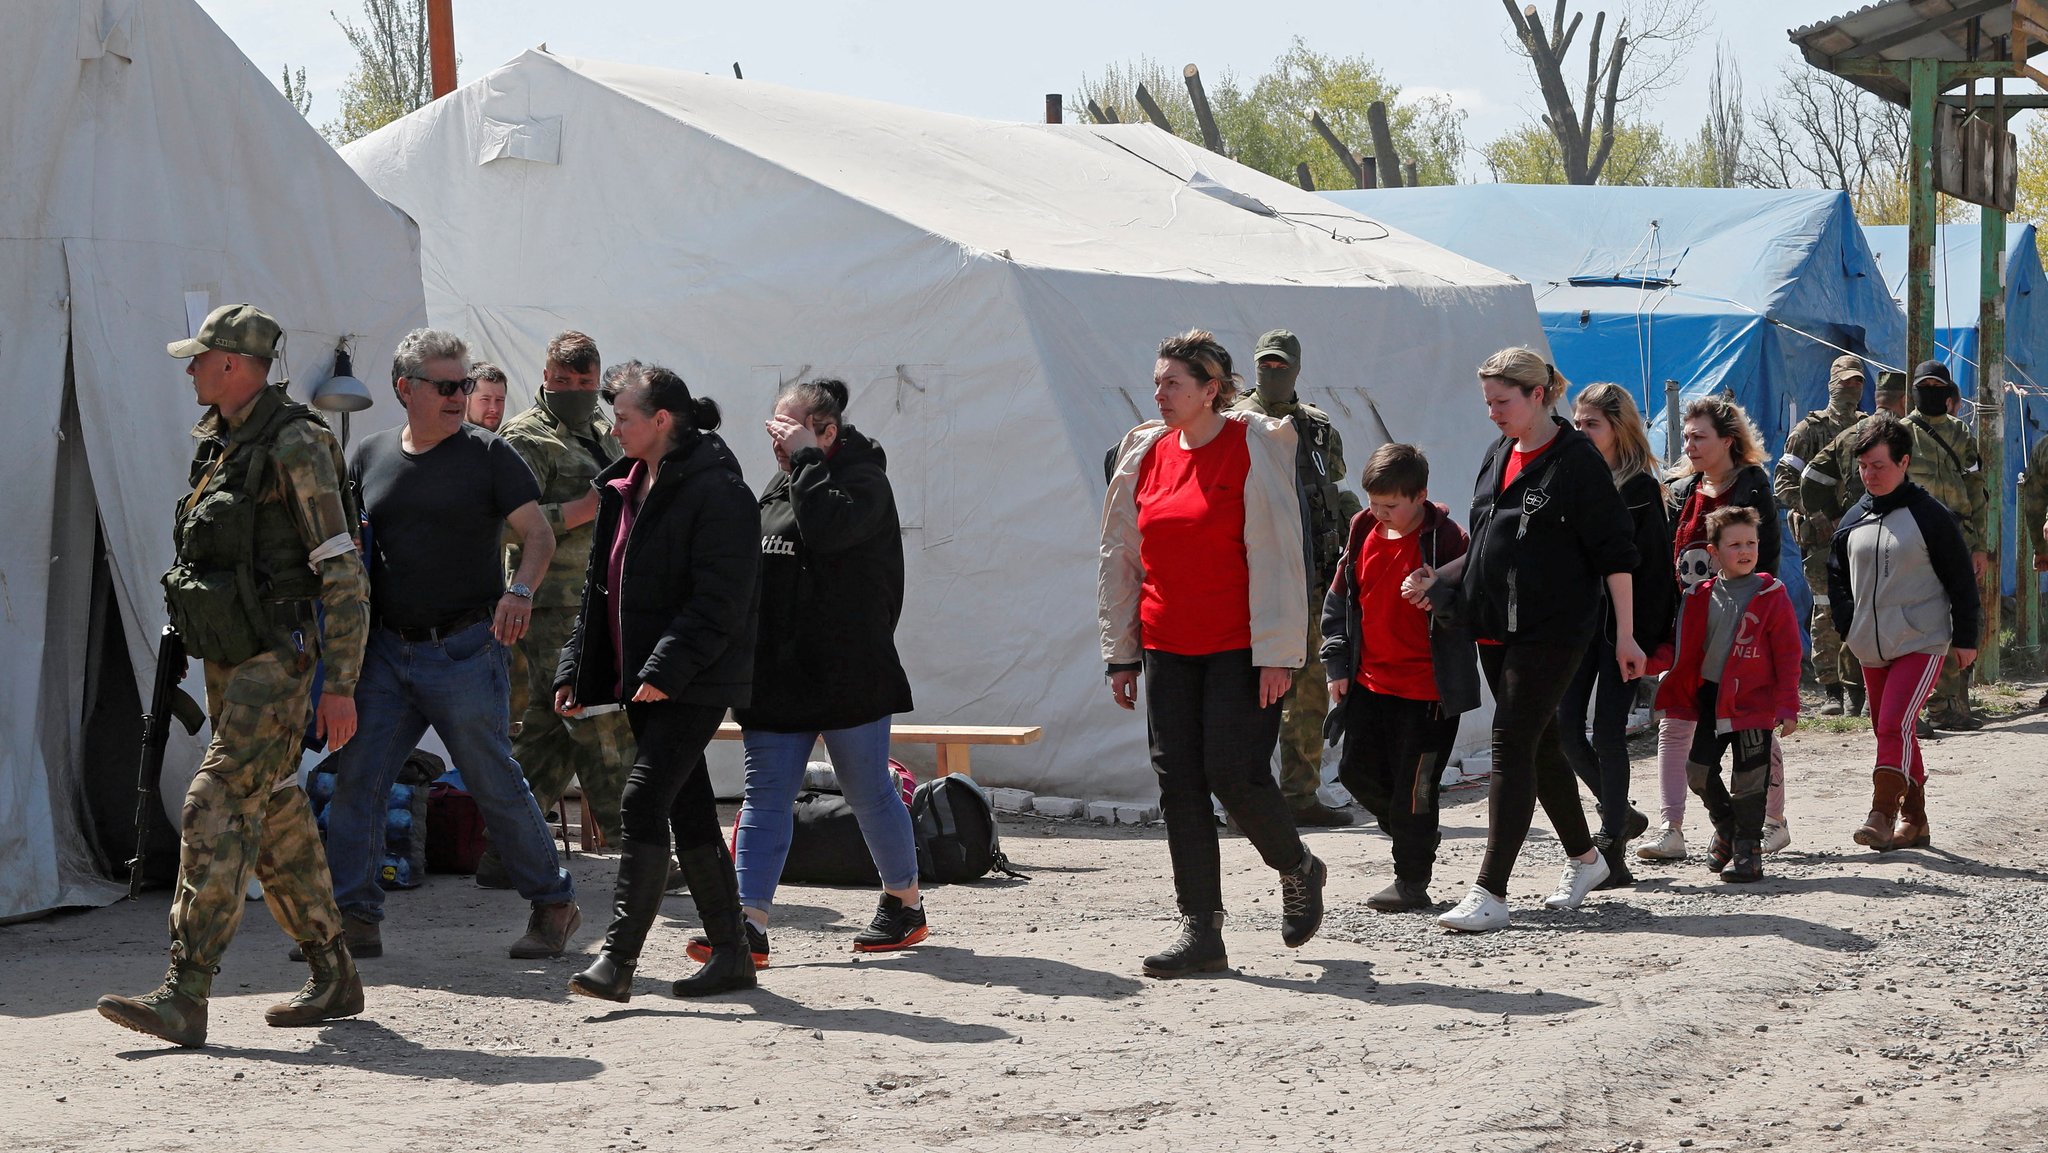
(957, 838)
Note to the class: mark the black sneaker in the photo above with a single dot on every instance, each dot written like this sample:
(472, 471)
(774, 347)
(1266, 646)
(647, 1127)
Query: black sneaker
(1745, 862)
(699, 949)
(896, 926)
(1721, 852)
(1198, 949)
(1616, 852)
(1301, 901)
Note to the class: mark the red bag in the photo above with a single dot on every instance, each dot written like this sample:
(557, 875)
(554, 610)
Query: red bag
(455, 830)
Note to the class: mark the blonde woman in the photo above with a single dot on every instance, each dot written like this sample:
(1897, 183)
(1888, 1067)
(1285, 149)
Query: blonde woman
(1724, 468)
(1607, 415)
(1549, 530)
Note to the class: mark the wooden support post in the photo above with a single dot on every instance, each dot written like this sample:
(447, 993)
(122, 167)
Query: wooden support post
(1925, 77)
(1095, 112)
(1383, 145)
(1991, 431)
(1368, 171)
(1055, 108)
(736, 71)
(1408, 174)
(1344, 157)
(441, 45)
(1153, 112)
(1211, 139)
(1303, 178)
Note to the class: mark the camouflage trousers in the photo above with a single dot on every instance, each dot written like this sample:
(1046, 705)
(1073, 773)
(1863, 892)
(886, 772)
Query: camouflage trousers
(1950, 700)
(1832, 663)
(1301, 727)
(245, 813)
(552, 749)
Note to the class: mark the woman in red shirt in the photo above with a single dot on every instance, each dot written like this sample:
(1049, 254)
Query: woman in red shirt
(1202, 569)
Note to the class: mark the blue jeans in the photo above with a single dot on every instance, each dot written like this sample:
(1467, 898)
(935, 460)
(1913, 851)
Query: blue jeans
(775, 773)
(460, 686)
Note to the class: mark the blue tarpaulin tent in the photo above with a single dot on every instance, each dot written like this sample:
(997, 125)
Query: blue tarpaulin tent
(1956, 251)
(1746, 291)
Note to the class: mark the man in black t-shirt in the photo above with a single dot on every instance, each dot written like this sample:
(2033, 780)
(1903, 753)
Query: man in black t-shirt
(438, 494)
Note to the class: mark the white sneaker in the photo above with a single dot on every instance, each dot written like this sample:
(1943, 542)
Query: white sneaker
(1579, 878)
(1479, 912)
(1777, 836)
(1669, 845)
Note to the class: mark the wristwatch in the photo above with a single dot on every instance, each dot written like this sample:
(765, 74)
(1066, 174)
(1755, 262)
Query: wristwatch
(521, 591)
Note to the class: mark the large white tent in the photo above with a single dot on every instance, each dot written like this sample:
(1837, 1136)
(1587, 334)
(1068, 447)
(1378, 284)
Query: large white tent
(152, 174)
(992, 292)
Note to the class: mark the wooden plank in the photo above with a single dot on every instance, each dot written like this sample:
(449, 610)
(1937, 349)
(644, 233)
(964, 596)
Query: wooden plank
(1344, 156)
(1211, 138)
(1153, 112)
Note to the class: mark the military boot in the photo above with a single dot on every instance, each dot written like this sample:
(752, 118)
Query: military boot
(1855, 700)
(175, 1011)
(1888, 791)
(334, 990)
(1833, 707)
(1912, 832)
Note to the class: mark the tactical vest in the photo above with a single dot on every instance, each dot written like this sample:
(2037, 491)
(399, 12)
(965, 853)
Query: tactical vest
(1325, 523)
(243, 578)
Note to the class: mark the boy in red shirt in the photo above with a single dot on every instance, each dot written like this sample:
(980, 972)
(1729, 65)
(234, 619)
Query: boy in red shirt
(1399, 674)
(1737, 676)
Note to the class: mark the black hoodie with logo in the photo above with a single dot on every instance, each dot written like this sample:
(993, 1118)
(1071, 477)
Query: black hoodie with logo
(831, 594)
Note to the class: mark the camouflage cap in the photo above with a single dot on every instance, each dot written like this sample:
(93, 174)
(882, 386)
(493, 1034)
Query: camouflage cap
(1280, 343)
(1844, 368)
(1891, 382)
(241, 328)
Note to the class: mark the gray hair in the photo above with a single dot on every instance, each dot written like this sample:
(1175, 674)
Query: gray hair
(421, 345)
(823, 399)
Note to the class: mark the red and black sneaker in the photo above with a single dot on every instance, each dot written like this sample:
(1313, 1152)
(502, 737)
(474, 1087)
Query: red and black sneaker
(699, 949)
(896, 926)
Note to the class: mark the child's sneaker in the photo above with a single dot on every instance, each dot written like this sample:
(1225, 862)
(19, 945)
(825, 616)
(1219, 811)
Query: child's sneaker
(1746, 863)
(1777, 836)
(1479, 912)
(1579, 878)
(896, 926)
(1721, 851)
(1669, 845)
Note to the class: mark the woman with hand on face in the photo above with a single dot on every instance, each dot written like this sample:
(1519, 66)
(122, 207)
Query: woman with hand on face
(1549, 531)
(825, 664)
(667, 629)
(1200, 589)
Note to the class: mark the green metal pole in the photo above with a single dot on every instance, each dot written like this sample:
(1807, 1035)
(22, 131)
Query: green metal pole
(1991, 430)
(1926, 85)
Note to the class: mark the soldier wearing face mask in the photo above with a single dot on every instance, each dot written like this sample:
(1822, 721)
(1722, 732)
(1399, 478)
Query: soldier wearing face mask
(1814, 529)
(1320, 462)
(1946, 464)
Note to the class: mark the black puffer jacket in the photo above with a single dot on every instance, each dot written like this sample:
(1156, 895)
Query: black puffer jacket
(1542, 548)
(689, 589)
(831, 594)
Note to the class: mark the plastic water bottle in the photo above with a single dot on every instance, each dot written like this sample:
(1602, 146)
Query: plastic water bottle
(401, 796)
(396, 873)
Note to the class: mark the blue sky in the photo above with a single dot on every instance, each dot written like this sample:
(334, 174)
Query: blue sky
(999, 61)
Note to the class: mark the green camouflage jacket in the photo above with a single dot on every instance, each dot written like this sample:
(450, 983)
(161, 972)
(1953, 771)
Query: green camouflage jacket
(1810, 438)
(1946, 464)
(565, 467)
(1320, 462)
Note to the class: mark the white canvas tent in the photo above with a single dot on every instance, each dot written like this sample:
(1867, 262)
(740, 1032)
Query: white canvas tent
(992, 292)
(152, 173)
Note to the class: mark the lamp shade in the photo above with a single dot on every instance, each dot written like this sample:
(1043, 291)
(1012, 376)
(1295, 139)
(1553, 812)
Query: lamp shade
(341, 392)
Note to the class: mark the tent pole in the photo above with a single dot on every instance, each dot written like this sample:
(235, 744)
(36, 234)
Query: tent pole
(1670, 422)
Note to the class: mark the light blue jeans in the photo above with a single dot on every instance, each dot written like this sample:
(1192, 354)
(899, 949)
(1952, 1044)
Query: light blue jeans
(775, 774)
(459, 686)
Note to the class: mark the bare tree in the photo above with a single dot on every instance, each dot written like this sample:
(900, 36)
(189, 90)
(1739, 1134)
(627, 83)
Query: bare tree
(393, 75)
(1649, 38)
(295, 90)
(1722, 138)
(1819, 129)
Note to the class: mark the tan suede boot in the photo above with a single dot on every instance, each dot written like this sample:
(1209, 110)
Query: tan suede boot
(1888, 791)
(175, 1010)
(334, 990)
(1912, 831)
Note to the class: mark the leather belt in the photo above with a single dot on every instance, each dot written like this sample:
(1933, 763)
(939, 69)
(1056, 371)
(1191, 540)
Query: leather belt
(434, 634)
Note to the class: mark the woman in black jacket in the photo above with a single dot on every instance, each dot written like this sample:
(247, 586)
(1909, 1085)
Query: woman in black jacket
(1607, 415)
(1548, 530)
(826, 664)
(667, 630)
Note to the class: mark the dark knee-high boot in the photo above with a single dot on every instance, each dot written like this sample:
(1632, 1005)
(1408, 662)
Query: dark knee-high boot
(636, 898)
(716, 889)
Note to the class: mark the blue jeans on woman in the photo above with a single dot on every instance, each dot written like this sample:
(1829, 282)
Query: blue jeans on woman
(1603, 761)
(459, 685)
(775, 774)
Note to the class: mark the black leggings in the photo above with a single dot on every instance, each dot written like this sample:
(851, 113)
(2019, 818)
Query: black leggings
(1603, 761)
(1528, 764)
(1395, 750)
(1209, 735)
(669, 784)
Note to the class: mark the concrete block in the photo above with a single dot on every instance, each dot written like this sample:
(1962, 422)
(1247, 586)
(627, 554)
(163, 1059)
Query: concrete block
(1136, 814)
(1010, 800)
(1061, 807)
(1102, 812)
(1467, 769)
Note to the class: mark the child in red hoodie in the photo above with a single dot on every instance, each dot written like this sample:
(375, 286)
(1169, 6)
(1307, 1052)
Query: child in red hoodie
(1738, 667)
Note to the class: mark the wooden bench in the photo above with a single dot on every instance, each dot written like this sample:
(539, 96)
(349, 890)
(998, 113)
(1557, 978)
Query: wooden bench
(954, 743)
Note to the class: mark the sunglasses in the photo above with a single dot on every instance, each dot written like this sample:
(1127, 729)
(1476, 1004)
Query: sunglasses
(448, 388)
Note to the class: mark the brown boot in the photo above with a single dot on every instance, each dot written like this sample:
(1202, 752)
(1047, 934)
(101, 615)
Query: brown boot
(334, 990)
(1912, 831)
(1888, 791)
(548, 930)
(175, 1011)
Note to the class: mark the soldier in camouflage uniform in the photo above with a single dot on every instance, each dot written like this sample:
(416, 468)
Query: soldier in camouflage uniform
(1945, 462)
(1320, 462)
(263, 536)
(1815, 530)
(566, 442)
(1830, 484)
(2034, 520)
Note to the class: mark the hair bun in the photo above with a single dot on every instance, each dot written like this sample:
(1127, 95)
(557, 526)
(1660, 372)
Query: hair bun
(704, 413)
(837, 390)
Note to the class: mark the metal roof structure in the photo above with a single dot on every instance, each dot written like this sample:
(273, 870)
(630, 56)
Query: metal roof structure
(1897, 31)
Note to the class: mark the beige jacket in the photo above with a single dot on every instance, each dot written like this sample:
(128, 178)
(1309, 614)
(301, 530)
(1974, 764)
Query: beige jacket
(1272, 545)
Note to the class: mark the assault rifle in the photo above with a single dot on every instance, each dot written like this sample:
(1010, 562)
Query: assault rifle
(166, 700)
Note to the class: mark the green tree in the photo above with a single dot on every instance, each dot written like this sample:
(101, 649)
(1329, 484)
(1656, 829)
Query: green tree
(1266, 126)
(392, 75)
(1640, 155)
(2032, 179)
(294, 85)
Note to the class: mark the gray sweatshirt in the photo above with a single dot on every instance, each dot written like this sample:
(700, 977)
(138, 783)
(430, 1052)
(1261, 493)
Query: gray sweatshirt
(1725, 605)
